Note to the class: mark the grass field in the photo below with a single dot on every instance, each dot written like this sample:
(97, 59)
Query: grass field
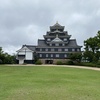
(48, 83)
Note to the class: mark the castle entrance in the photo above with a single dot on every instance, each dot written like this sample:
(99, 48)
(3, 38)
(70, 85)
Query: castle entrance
(48, 61)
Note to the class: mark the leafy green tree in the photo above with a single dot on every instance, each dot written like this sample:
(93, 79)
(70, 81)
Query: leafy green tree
(5, 58)
(1, 56)
(75, 57)
(91, 44)
(92, 48)
(35, 57)
(88, 56)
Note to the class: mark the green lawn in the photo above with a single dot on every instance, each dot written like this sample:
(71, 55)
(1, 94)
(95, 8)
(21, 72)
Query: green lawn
(48, 83)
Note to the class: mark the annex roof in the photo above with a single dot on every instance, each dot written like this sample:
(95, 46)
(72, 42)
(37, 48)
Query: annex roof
(30, 47)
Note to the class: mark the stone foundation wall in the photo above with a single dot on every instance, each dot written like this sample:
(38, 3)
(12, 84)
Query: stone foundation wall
(42, 60)
(54, 60)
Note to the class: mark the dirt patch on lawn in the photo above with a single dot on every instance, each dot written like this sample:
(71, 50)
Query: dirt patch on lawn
(83, 67)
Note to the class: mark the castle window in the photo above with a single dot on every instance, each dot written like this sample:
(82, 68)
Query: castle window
(65, 39)
(57, 55)
(40, 55)
(50, 44)
(48, 39)
(52, 49)
(46, 55)
(66, 49)
(46, 49)
(65, 55)
(40, 49)
(63, 44)
(51, 55)
(56, 44)
(59, 49)
(78, 49)
(73, 49)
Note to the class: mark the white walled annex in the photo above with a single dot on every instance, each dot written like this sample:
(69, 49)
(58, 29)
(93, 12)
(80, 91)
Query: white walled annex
(25, 51)
(29, 55)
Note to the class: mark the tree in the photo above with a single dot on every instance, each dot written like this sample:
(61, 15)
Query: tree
(91, 44)
(1, 56)
(5, 58)
(92, 48)
(75, 57)
(88, 56)
(35, 57)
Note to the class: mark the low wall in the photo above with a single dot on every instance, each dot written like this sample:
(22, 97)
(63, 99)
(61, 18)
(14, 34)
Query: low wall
(54, 60)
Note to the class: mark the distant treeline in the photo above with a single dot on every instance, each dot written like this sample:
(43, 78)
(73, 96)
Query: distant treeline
(6, 58)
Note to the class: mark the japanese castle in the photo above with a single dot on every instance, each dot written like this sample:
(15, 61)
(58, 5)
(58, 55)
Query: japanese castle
(55, 46)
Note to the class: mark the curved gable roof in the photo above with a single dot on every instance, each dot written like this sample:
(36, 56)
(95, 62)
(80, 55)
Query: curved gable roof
(29, 47)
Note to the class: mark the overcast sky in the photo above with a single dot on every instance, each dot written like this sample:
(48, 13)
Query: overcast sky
(26, 21)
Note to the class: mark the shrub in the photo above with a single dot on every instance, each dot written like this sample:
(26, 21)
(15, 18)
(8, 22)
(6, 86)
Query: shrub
(24, 63)
(0, 61)
(70, 62)
(98, 62)
(88, 64)
(59, 63)
(38, 62)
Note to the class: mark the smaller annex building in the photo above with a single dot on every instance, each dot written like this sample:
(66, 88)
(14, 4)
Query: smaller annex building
(55, 46)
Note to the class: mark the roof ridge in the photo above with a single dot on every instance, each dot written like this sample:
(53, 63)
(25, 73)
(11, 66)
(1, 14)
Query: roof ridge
(29, 45)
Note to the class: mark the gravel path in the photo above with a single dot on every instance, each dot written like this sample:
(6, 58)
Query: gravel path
(83, 67)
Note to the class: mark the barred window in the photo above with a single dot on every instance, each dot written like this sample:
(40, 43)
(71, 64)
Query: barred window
(40, 55)
(59, 49)
(46, 49)
(40, 49)
(65, 55)
(66, 49)
(65, 39)
(56, 44)
(51, 55)
(73, 49)
(46, 55)
(48, 39)
(50, 44)
(52, 49)
(57, 55)
(78, 49)
(63, 44)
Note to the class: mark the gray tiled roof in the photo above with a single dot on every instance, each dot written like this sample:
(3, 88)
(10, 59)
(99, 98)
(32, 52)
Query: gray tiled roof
(41, 42)
(56, 26)
(31, 47)
(72, 43)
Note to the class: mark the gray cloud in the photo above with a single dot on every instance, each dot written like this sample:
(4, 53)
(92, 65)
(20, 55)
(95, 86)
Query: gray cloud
(24, 21)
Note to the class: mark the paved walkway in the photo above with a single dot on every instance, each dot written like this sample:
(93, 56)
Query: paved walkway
(83, 67)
